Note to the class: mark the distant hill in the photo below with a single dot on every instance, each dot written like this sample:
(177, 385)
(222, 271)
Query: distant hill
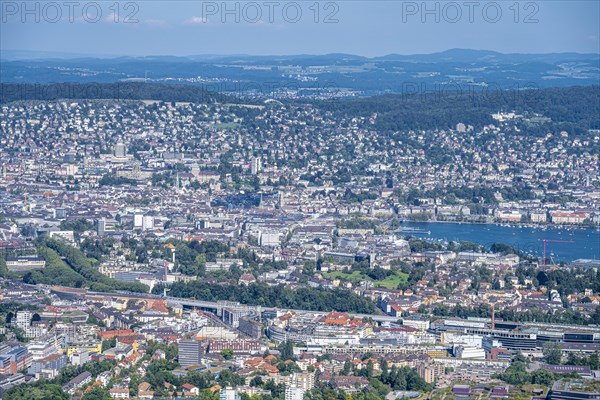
(110, 91)
(450, 55)
(573, 109)
(472, 56)
(347, 74)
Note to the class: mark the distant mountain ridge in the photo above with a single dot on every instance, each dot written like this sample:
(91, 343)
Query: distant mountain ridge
(456, 54)
(315, 75)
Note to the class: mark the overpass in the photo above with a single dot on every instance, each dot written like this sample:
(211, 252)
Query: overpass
(219, 305)
(215, 306)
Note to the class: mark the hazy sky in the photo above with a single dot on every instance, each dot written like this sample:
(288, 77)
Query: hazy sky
(361, 27)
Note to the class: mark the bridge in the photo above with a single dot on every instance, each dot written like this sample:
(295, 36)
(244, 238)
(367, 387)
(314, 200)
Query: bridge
(216, 306)
(219, 305)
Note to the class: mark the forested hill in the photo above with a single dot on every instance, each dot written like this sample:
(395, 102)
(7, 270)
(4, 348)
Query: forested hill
(573, 109)
(576, 108)
(110, 91)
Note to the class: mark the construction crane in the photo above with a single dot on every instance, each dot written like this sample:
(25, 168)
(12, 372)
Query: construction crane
(55, 319)
(48, 193)
(387, 225)
(552, 241)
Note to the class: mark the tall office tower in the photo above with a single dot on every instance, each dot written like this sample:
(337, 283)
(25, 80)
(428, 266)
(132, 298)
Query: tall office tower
(190, 352)
(101, 226)
(256, 165)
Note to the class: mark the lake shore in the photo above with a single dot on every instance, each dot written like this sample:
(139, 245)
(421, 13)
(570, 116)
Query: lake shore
(563, 244)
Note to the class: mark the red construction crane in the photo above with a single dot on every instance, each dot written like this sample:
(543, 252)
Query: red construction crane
(55, 319)
(553, 241)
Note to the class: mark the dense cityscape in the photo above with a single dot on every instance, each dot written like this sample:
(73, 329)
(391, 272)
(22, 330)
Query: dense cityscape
(324, 200)
(272, 249)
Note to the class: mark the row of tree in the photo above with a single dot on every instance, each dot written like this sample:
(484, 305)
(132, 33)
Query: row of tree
(306, 298)
(68, 266)
(103, 91)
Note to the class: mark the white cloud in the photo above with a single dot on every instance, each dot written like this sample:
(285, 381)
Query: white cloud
(196, 20)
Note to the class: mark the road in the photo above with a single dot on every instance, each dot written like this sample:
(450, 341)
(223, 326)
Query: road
(211, 305)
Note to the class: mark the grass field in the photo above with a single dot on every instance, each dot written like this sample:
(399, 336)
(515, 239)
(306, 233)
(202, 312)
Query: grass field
(391, 282)
(227, 125)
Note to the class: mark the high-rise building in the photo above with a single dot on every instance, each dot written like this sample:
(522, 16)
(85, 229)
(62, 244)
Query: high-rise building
(228, 393)
(23, 319)
(256, 165)
(294, 393)
(147, 222)
(304, 380)
(101, 226)
(60, 213)
(138, 220)
(120, 150)
(190, 352)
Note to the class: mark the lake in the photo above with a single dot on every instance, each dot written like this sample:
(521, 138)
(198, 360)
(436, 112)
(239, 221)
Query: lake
(585, 241)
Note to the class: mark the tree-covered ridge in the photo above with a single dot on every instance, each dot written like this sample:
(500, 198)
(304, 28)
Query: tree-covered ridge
(577, 108)
(305, 298)
(109, 91)
(68, 266)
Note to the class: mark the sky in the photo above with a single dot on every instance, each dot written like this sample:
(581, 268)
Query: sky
(274, 27)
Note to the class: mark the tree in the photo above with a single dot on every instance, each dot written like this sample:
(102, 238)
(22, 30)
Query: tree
(369, 369)
(347, 368)
(384, 371)
(256, 381)
(519, 357)
(134, 383)
(405, 378)
(367, 355)
(109, 344)
(3, 268)
(552, 352)
(228, 378)
(97, 393)
(39, 390)
(286, 350)
(516, 374)
(227, 354)
(542, 377)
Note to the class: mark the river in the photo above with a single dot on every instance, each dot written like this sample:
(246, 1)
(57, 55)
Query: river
(584, 242)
